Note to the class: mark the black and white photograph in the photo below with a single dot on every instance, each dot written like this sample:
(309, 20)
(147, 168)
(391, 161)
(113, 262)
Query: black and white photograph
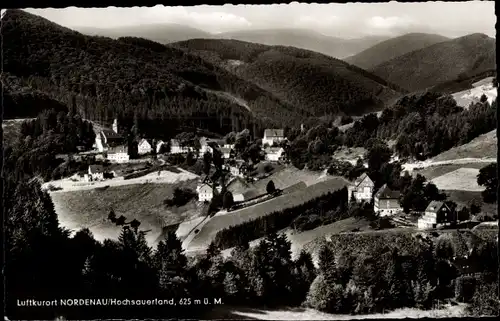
(289, 161)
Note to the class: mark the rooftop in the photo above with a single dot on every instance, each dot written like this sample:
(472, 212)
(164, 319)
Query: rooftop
(274, 133)
(386, 193)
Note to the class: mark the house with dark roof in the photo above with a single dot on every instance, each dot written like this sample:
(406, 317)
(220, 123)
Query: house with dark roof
(436, 214)
(274, 154)
(273, 136)
(361, 189)
(386, 201)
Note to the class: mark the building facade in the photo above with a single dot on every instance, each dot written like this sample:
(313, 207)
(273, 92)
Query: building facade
(273, 136)
(361, 189)
(144, 147)
(436, 214)
(386, 201)
(274, 154)
(118, 155)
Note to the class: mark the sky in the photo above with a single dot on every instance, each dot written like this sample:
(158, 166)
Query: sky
(451, 19)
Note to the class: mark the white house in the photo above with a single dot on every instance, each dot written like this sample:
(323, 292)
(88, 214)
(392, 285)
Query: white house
(176, 148)
(274, 154)
(386, 201)
(361, 189)
(96, 173)
(273, 136)
(118, 154)
(205, 193)
(226, 152)
(144, 147)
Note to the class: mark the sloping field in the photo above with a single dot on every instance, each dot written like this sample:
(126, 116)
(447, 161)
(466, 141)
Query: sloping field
(217, 223)
(282, 179)
(466, 97)
(439, 170)
(350, 154)
(144, 202)
(483, 146)
(464, 179)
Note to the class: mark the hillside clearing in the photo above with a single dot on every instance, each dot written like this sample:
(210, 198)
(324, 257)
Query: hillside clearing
(461, 179)
(350, 154)
(483, 87)
(217, 223)
(480, 147)
(227, 312)
(464, 198)
(144, 202)
(435, 171)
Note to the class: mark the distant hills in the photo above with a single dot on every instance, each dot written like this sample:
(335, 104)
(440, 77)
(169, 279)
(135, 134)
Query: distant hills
(442, 62)
(216, 85)
(305, 39)
(163, 33)
(393, 48)
(301, 38)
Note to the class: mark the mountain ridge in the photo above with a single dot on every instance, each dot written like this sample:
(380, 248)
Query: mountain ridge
(392, 48)
(446, 61)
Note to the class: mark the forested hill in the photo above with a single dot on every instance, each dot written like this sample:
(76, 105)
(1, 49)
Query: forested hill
(446, 61)
(308, 80)
(393, 48)
(105, 78)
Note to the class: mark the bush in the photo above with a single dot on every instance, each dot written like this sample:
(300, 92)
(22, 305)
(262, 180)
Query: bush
(181, 197)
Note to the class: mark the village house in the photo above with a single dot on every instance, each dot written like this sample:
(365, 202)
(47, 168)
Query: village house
(436, 214)
(176, 148)
(361, 189)
(107, 138)
(118, 154)
(386, 201)
(274, 154)
(95, 173)
(226, 152)
(238, 197)
(144, 147)
(205, 192)
(273, 136)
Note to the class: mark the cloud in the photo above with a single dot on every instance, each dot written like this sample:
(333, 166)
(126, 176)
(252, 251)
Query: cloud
(320, 22)
(389, 23)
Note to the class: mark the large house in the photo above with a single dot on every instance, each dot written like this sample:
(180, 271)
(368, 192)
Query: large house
(361, 189)
(107, 138)
(386, 201)
(118, 154)
(144, 147)
(436, 214)
(274, 154)
(273, 136)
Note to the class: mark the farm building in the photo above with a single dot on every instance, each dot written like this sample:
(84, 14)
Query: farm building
(386, 201)
(436, 213)
(118, 154)
(238, 197)
(274, 154)
(144, 147)
(96, 173)
(205, 192)
(273, 136)
(361, 189)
